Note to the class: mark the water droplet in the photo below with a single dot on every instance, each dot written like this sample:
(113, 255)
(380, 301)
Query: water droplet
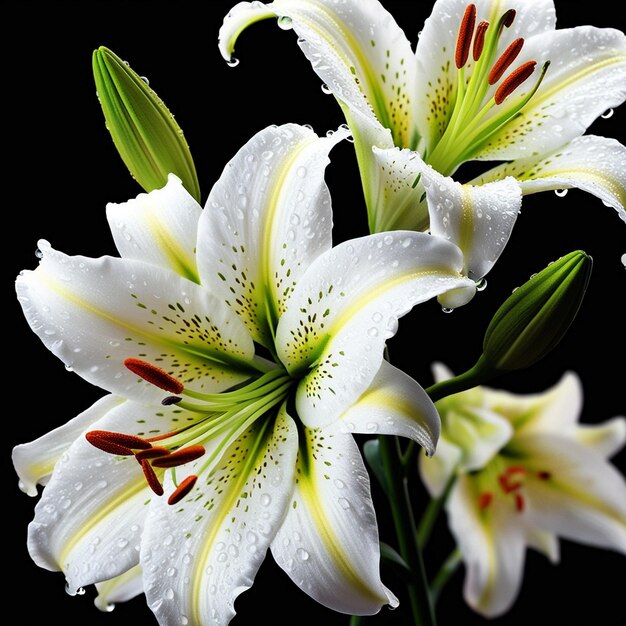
(266, 499)
(372, 427)
(302, 554)
(445, 309)
(624, 259)
(301, 171)
(187, 559)
(607, 114)
(232, 62)
(233, 550)
(169, 593)
(339, 483)
(373, 331)
(267, 155)
(561, 192)
(122, 543)
(284, 22)
(222, 557)
(171, 571)
(388, 240)
(344, 504)
(406, 242)
(481, 285)
(295, 219)
(326, 89)
(39, 253)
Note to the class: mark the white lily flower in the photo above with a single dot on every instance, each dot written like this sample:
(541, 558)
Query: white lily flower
(489, 80)
(241, 351)
(549, 478)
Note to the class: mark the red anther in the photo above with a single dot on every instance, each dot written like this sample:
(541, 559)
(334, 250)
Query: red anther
(485, 499)
(505, 60)
(151, 478)
(170, 400)
(152, 453)
(154, 375)
(515, 469)
(96, 440)
(508, 17)
(120, 439)
(479, 40)
(180, 457)
(544, 475)
(183, 489)
(513, 81)
(464, 40)
(520, 503)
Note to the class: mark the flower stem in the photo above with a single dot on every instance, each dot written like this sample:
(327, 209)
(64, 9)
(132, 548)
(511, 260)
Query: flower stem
(476, 375)
(432, 512)
(402, 513)
(355, 620)
(444, 574)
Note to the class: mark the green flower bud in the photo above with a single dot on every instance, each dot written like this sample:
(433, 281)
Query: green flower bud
(145, 133)
(536, 316)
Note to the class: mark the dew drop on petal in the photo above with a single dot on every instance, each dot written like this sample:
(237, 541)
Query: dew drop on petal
(266, 499)
(561, 192)
(446, 309)
(608, 113)
(232, 62)
(285, 22)
(624, 259)
(326, 89)
(302, 554)
(481, 285)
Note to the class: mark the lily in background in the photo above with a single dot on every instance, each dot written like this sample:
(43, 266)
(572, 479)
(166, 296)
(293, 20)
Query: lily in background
(488, 81)
(240, 351)
(537, 475)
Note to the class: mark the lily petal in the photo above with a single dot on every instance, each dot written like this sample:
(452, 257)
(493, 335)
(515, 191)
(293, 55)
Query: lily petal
(34, 461)
(437, 470)
(89, 520)
(394, 404)
(95, 313)
(594, 164)
(201, 553)
(356, 48)
(328, 543)
(347, 305)
(587, 76)
(159, 227)
(606, 439)
(492, 542)
(584, 496)
(267, 218)
(122, 588)
(478, 219)
(545, 542)
(436, 70)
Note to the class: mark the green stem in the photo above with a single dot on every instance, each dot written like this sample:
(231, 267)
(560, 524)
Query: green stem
(355, 620)
(404, 523)
(477, 375)
(449, 567)
(432, 512)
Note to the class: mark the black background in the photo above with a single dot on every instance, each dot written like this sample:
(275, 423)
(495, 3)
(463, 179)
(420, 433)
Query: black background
(61, 169)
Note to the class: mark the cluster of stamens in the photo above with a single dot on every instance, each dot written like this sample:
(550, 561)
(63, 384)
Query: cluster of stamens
(468, 128)
(218, 414)
(511, 482)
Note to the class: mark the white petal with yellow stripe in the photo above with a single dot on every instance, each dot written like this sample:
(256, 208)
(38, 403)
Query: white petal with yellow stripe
(159, 227)
(198, 555)
(328, 543)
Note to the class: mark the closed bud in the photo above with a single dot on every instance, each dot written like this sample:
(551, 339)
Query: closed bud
(145, 133)
(532, 321)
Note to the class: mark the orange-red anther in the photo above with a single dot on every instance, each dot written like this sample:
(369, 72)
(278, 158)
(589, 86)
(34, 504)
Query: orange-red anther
(152, 453)
(151, 478)
(520, 503)
(485, 499)
(515, 469)
(479, 40)
(180, 457)
(505, 60)
(464, 40)
(116, 443)
(508, 17)
(154, 375)
(183, 489)
(544, 475)
(513, 81)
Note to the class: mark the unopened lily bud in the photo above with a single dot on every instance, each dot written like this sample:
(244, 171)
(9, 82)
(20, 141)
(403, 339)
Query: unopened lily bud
(145, 133)
(532, 321)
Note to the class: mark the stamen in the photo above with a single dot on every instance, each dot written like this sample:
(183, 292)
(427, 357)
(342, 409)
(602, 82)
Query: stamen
(520, 503)
(505, 478)
(180, 457)
(513, 81)
(505, 60)
(116, 443)
(544, 475)
(183, 489)
(485, 499)
(479, 40)
(151, 478)
(154, 375)
(152, 453)
(464, 40)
